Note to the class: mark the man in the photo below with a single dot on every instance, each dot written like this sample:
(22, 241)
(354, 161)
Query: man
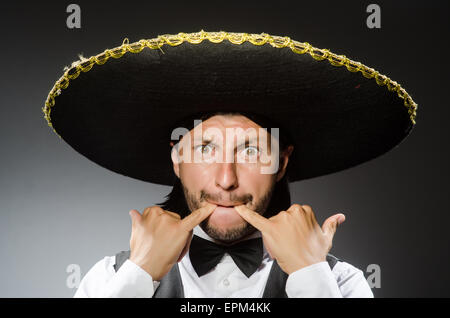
(249, 241)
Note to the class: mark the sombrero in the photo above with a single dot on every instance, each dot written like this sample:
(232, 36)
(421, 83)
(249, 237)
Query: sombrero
(118, 108)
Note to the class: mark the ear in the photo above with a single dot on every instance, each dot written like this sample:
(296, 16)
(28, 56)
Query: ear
(284, 159)
(176, 169)
(175, 160)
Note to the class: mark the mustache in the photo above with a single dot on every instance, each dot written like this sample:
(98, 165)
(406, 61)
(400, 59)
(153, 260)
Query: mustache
(218, 197)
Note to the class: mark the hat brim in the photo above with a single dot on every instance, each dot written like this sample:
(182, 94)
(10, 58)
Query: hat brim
(121, 106)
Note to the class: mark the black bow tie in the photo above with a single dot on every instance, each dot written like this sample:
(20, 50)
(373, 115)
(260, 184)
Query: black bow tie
(205, 255)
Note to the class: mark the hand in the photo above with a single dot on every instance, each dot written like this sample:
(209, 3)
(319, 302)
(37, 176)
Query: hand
(160, 238)
(293, 237)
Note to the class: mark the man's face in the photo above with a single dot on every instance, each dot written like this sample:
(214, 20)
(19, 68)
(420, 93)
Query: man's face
(229, 172)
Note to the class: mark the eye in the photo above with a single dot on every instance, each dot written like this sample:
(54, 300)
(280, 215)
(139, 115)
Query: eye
(251, 151)
(204, 149)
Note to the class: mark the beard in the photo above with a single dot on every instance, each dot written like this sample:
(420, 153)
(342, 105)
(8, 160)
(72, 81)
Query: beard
(228, 236)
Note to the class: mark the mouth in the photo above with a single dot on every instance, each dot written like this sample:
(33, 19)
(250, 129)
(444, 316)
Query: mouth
(226, 209)
(225, 215)
(228, 205)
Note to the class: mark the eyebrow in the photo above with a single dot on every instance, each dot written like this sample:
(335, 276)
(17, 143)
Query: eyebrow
(247, 142)
(211, 141)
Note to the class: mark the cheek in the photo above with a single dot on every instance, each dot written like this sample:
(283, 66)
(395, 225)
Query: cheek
(194, 176)
(254, 182)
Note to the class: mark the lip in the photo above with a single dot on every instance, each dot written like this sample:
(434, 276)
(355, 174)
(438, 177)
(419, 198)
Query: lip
(226, 204)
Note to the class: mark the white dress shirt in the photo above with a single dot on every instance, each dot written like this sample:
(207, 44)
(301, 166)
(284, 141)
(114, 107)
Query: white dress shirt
(225, 280)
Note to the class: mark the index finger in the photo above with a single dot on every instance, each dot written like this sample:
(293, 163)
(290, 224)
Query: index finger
(252, 217)
(194, 219)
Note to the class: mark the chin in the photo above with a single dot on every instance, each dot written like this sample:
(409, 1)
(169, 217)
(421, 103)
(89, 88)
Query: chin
(225, 230)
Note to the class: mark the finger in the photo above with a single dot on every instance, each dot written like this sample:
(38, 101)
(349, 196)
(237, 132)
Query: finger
(312, 217)
(136, 217)
(330, 225)
(194, 219)
(268, 248)
(186, 248)
(296, 208)
(254, 218)
(175, 215)
(152, 211)
(297, 211)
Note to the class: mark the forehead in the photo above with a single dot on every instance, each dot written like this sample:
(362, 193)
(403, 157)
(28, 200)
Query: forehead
(229, 127)
(233, 129)
(229, 121)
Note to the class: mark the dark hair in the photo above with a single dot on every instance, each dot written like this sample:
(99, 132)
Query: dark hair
(281, 197)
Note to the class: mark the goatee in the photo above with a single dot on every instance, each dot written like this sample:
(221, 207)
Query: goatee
(234, 234)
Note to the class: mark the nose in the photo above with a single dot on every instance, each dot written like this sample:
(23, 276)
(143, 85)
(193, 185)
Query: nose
(226, 177)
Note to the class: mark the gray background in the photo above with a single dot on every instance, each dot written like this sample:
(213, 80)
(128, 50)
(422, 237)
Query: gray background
(58, 208)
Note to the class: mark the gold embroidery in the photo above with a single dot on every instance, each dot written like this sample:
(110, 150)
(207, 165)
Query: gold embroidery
(84, 65)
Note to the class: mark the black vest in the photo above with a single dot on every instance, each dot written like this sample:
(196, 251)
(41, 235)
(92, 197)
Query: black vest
(172, 287)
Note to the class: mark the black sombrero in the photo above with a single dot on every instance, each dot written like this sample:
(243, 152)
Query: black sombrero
(119, 108)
